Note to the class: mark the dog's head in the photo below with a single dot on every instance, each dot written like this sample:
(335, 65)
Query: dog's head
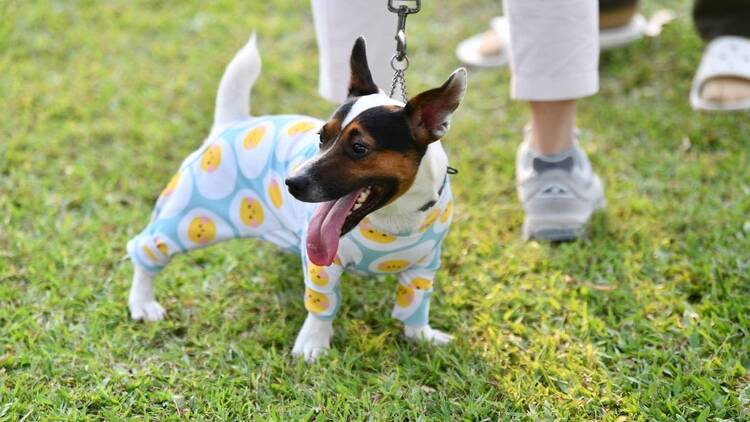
(370, 150)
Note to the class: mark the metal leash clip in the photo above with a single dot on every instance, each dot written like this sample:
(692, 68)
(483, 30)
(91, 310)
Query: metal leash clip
(400, 61)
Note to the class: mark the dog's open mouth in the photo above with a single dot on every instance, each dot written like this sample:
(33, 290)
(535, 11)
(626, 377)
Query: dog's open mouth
(333, 219)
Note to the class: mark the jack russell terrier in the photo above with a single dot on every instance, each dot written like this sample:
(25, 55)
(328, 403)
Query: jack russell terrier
(367, 191)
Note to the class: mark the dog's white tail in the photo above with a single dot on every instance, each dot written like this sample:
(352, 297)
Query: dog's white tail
(233, 97)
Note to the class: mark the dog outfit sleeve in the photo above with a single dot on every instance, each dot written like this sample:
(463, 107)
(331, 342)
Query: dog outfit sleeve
(322, 290)
(413, 292)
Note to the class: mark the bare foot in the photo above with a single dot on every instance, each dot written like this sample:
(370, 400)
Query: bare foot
(726, 89)
(491, 44)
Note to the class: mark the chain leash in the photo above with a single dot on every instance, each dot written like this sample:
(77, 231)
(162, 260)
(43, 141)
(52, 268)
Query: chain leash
(400, 61)
(399, 77)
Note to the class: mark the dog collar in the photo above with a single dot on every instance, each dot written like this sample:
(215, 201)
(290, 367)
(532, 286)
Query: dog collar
(430, 204)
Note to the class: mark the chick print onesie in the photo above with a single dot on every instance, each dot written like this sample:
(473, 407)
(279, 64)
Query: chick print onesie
(233, 187)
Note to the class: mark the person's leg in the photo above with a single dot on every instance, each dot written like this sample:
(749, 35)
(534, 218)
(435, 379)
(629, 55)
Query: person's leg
(553, 125)
(715, 18)
(554, 55)
(338, 23)
(554, 59)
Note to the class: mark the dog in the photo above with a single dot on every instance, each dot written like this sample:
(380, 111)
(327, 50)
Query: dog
(366, 191)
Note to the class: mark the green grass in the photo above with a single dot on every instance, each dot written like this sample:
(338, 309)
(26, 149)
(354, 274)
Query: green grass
(646, 320)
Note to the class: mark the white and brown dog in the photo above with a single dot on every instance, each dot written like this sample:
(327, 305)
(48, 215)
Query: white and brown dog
(368, 191)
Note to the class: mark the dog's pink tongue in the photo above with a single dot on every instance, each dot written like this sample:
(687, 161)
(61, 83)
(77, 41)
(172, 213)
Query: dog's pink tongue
(324, 229)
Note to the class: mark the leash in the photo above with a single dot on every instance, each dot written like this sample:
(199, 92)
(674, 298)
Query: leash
(400, 61)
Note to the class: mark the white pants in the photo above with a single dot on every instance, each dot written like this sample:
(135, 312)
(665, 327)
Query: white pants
(554, 48)
(338, 23)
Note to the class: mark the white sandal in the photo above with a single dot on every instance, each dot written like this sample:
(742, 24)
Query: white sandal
(623, 35)
(726, 56)
(468, 50)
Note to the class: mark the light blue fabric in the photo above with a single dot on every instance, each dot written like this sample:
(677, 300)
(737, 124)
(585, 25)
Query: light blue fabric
(233, 187)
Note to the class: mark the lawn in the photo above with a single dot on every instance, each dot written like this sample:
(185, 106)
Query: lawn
(648, 319)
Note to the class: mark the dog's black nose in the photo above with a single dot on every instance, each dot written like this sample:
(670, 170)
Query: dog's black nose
(297, 184)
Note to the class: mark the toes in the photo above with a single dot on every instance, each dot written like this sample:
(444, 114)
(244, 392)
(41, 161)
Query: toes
(313, 340)
(297, 351)
(300, 350)
(149, 311)
(441, 338)
(136, 314)
(429, 335)
(312, 354)
(155, 312)
(309, 353)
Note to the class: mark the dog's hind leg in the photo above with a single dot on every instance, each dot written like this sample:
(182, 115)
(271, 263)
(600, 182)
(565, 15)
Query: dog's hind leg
(141, 301)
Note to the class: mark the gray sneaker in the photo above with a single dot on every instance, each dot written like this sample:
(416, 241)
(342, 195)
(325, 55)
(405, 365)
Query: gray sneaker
(559, 193)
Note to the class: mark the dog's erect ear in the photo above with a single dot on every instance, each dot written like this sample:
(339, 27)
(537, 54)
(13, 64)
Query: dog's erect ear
(429, 113)
(361, 82)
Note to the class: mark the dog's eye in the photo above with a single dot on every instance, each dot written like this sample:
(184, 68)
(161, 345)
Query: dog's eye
(359, 149)
(320, 137)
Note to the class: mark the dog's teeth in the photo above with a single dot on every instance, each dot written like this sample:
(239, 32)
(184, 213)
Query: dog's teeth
(362, 197)
(356, 207)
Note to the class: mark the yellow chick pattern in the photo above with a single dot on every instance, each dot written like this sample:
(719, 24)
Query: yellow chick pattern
(317, 274)
(404, 295)
(202, 230)
(211, 159)
(316, 302)
(251, 212)
(253, 138)
(371, 233)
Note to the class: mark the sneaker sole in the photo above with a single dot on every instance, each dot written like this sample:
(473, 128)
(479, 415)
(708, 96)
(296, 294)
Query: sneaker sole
(552, 232)
(558, 227)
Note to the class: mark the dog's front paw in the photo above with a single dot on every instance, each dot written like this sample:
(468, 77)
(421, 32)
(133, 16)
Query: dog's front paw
(313, 340)
(148, 310)
(428, 334)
